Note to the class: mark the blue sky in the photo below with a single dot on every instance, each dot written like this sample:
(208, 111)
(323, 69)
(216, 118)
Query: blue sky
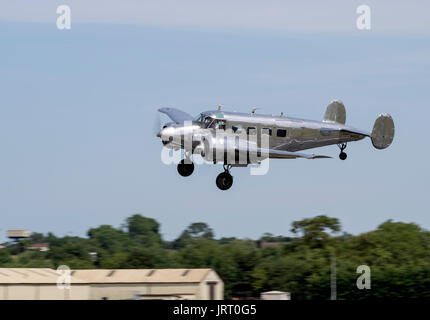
(77, 110)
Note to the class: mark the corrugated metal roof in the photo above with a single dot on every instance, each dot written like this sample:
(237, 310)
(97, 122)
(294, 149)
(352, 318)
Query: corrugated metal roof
(31, 275)
(46, 275)
(141, 275)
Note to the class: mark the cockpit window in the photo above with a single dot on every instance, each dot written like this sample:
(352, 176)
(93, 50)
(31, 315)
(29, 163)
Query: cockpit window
(208, 122)
(199, 118)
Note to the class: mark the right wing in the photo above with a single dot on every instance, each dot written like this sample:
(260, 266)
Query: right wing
(176, 115)
(278, 154)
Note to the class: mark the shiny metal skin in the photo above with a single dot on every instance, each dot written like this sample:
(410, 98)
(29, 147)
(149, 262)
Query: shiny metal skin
(221, 136)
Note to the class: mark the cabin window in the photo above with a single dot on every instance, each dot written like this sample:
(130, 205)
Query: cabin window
(237, 128)
(220, 124)
(267, 131)
(281, 133)
(251, 131)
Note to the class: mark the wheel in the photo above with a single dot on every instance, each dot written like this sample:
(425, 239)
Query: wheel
(185, 169)
(342, 156)
(224, 181)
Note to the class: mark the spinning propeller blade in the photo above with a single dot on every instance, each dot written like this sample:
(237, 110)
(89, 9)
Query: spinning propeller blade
(157, 124)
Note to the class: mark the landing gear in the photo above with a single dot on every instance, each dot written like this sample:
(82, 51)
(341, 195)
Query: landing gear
(342, 155)
(185, 169)
(224, 181)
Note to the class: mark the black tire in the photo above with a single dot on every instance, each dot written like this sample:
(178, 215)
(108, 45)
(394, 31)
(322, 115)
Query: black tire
(224, 181)
(185, 169)
(342, 156)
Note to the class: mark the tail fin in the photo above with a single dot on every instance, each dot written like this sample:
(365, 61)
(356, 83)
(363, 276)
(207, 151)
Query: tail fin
(335, 112)
(383, 131)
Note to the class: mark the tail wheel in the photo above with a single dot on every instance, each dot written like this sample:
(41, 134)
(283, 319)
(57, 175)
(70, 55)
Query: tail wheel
(224, 181)
(185, 169)
(342, 155)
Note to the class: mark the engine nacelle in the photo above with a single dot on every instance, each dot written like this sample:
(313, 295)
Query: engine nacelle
(226, 149)
(200, 149)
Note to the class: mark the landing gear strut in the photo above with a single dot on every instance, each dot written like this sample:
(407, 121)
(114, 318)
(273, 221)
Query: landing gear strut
(342, 155)
(185, 169)
(224, 181)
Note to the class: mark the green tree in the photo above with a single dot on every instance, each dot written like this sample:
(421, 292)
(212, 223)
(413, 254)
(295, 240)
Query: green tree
(37, 237)
(144, 258)
(145, 230)
(313, 230)
(108, 238)
(5, 257)
(71, 251)
(197, 230)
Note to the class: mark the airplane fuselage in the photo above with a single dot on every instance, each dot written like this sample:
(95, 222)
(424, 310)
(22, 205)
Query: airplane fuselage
(239, 139)
(287, 133)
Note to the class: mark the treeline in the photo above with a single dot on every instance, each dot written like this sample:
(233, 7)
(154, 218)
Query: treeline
(397, 253)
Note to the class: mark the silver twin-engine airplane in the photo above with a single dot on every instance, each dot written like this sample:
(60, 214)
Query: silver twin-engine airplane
(239, 139)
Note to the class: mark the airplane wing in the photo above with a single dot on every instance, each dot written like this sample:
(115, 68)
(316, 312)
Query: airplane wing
(278, 154)
(176, 115)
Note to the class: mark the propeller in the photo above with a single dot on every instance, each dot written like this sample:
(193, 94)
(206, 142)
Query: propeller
(157, 124)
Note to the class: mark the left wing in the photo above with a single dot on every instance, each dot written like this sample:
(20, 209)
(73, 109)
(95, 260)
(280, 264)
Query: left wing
(176, 115)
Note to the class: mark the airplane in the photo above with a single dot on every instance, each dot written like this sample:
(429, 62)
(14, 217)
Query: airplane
(238, 139)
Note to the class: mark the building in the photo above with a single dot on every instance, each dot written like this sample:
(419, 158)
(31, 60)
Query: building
(204, 284)
(116, 284)
(42, 247)
(38, 284)
(275, 295)
(18, 234)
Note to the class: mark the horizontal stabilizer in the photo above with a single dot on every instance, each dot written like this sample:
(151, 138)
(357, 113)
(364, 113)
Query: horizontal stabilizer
(335, 112)
(383, 131)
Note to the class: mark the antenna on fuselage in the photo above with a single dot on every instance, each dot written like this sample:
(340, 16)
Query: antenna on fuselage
(219, 107)
(254, 109)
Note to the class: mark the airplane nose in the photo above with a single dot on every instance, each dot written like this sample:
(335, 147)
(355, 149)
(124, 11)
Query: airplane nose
(161, 133)
(166, 135)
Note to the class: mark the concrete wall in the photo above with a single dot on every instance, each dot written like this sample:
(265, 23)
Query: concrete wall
(43, 292)
(115, 291)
